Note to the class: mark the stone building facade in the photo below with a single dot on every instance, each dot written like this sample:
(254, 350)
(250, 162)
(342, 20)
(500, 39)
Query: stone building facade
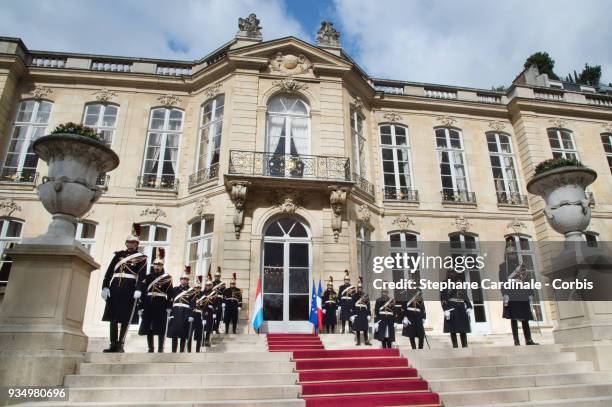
(284, 156)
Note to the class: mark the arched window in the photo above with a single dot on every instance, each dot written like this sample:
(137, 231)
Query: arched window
(453, 169)
(152, 236)
(606, 140)
(288, 126)
(396, 165)
(523, 246)
(10, 234)
(199, 246)
(409, 243)
(86, 234)
(160, 167)
(30, 124)
(503, 165)
(209, 144)
(562, 144)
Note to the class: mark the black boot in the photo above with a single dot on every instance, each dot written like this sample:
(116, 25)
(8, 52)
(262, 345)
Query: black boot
(207, 342)
(464, 342)
(174, 345)
(527, 333)
(119, 347)
(413, 343)
(453, 336)
(357, 338)
(343, 323)
(114, 332)
(150, 343)
(160, 343)
(515, 334)
(365, 338)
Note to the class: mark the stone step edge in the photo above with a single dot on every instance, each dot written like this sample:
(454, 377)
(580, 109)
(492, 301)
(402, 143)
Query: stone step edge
(538, 388)
(544, 402)
(600, 373)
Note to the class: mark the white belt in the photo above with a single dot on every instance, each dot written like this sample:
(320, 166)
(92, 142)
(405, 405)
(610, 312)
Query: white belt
(157, 295)
(412, 309)
(361, 306)
(386, 312)
(330, 302)
(181, 305)
(456, 300)
(199, 311)
(125, 275)
(232, 299)
(346, 298)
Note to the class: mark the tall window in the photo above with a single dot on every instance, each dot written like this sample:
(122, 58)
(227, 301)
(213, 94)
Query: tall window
(199, 246)
(359, 142)
(288, 126)
(364, 247)
(562, 144)
(451, 158)
(86, 234)
(10, 234)
(606, 139)
(103, 118)
(395, 149)
(30, 124)
(160, 167)
(152, 236)
(404, 242)
(524, 248)
(209, 145)
(503, 166)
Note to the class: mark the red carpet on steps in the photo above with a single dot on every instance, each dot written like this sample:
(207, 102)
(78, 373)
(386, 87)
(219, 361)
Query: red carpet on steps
(356, 377)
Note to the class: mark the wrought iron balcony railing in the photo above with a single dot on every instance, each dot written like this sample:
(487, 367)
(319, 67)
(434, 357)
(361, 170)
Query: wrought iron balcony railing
(204, 175)
(103, 180)
(289, 166)
(364, 184)
(401, 194)
(163, 183)
(511, 199)
(458, 196)
(591, 198)
(12, 176)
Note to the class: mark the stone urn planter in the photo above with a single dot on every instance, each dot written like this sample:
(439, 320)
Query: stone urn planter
(567, 206)
(69, 190)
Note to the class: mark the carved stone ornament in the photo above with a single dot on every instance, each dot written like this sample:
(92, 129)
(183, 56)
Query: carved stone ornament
(607, 127)
(153, 212)
(288, 201)
(238, 194)
(212, 90)
(8, 206)
(363, 214)
(290, 85)
(496, 125)
(328, 35)
(516, 226)
(447, 121)
(201, 206)
(462, 224)
(392, 116)
(558, 123)
(169, 100)
(249, 26)
(41, 92)
(358, 104)
(337, 201)
(403, 222)
(104, 95)
(290, 64)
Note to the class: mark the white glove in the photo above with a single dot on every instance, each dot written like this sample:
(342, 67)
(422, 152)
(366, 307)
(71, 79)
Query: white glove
(190, 319)
(215, 316)
(325, 311)
(168, 311)
(406, 321)
(140, 311)
(137, 294)
(223, 305)
(105, 293)
(424, 321)
(376, 326)
(369, 317)
(447, 314)
(397, 325)
(210, 306)
(204, 322)
(506, 300)
(339, 308)
(239, 308)
(530, 300)
(352, 319)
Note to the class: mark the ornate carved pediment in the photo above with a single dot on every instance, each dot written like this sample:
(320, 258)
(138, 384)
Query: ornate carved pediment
(40, 92)
(496, 125)
(153, 212)
(288, 201)
(328, 35)
(393, 116)
(212, 91)
(290, 64)
(607, 127)
(516, 226)
(462, 224)
(558, 123)
(8, 207)
(447, 121)
(337, 201)
(403, 222)
(104, 95)
(249, 27)
(201, 206)
(169, 100)
(290, 85)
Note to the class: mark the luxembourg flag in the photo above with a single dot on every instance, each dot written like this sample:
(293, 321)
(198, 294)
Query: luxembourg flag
(258, 314)
(320, 305)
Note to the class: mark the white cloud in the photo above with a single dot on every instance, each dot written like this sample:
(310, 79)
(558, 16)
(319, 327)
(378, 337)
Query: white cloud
(475, 43)
(140, 28)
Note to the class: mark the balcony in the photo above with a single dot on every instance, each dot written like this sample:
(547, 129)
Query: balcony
(12, 176)
(288, 170)
(202, 176)
(166, 183)
(511, 199)
(363, 184)
(401, 194)
(458, 196)
(591, 198)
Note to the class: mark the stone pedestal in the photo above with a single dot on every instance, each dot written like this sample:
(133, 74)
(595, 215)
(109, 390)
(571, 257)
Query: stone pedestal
(41, 318)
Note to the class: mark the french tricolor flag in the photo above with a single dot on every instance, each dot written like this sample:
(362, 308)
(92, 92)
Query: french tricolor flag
(258, 309)
(320, 305)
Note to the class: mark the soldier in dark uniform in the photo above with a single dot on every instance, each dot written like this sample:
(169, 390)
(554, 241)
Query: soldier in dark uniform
(120, 289)
(345, 303)
(195, 322)
(455, 304)
(361, 314)
(414, 320)
(232, 304)
(517, 302)
(385, 319)
(208, 313)
(218, 286)
(182, 302)
(330, 305)
(155, 305)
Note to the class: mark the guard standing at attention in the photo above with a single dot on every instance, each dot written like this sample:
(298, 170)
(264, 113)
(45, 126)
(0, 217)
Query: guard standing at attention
(219, 287)
(385, 319)
(456, 306)
(183, 301)
(414, 320)
(195, 324)
(208, 317)
(330, 305)
(232, 304)
(361, 314)
(345, 303)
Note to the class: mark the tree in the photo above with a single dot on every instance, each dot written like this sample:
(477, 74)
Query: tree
(590, 75)
(544, 63)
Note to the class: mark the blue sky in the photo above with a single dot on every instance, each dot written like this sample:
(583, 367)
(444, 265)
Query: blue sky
(477, 43)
